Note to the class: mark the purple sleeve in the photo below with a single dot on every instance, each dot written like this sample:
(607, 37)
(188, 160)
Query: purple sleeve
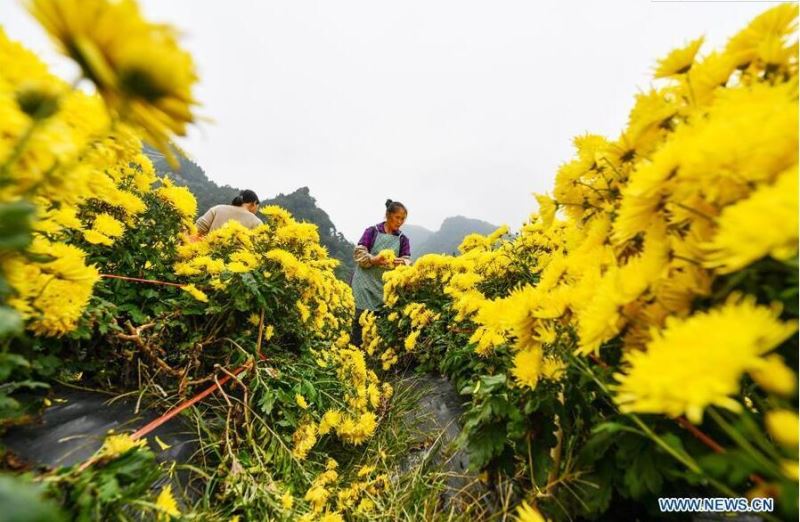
(405, 246)
(368, 238)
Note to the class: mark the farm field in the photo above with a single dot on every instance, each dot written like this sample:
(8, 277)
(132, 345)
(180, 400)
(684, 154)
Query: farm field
(636, 339)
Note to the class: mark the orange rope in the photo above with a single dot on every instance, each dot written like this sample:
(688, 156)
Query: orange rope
(208, 391)
(138, 280)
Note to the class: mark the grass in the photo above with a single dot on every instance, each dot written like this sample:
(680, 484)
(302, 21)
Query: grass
(421, 486)
(242, 467)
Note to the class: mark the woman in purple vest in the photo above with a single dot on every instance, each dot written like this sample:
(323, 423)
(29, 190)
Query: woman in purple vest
(370, 265)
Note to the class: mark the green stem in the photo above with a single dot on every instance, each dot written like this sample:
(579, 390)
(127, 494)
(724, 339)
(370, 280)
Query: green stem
(694, 211)
(682, 457)
(19, 148)
(595, 189)
(686, 460)
(614, 168)
(744, 444)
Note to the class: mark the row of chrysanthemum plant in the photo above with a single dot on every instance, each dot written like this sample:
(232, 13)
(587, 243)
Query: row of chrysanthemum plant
(103, 286)
(637, 338)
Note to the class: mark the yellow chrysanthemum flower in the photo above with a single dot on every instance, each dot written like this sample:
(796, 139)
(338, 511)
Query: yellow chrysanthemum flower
(547, 209)
(774, 376)
(237, 267)
(276, 215)
(527, 513)
(553, 368)
(304, 438)
(365, 506)
(783, 426)
(698, 362)
(678, 61)
(764, 224)
(181, 198)
(50, 294)
(331, 517)
(356, 432)
(317, 496)
(116, 445)
(96, 238)
(411, 341)
(108, 225)
(301, 401)
(195, 292)
(387, 255)
(305, 313)
(138, 67)
(166, 504)
(269, 332)
(527, 367)
(287, 501)
(330, 420)
(774, 27)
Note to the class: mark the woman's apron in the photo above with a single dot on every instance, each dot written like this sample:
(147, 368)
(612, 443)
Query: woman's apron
(368, 282)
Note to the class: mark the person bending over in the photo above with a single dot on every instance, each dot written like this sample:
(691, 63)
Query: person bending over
(242, 209)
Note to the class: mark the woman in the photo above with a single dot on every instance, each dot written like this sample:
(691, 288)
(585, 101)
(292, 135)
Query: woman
(371, 265)
(242, 209)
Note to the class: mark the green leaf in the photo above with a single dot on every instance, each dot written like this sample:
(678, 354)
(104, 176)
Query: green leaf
(491, 382)
(485, 444)
(542, 461)
(25, 502)
(15, 225)
(9, 362)
(642, 476)
(596, 497)
(10, 322)
(596, 447)
(609, 427)
(267, 401)
(733, 466)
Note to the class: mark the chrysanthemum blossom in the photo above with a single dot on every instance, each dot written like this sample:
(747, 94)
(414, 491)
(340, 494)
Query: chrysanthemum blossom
(678, 61)
(137, 66)
(698, 362)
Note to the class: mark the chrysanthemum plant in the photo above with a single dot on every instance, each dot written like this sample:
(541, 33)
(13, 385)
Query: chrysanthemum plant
(82, 210)
(638, 337)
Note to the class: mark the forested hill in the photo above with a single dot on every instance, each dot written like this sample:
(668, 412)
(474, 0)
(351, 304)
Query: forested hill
(449, 236)
(417, 235)
(300, 203)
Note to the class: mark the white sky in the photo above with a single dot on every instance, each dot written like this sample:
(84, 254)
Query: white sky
(450, 106)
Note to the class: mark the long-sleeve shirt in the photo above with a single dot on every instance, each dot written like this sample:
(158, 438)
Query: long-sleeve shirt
(218, 215)
(362, 255)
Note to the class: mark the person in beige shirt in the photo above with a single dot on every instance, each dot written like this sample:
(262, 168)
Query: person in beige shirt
(242, 209)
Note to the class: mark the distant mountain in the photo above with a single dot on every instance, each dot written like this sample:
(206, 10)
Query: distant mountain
(417, 235)
(449, 236)
(300, 203)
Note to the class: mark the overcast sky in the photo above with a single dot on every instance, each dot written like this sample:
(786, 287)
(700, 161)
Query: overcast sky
(452, 107)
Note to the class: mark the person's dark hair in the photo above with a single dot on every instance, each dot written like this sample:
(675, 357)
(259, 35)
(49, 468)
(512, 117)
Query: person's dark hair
(394, 206)
(247, 196)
